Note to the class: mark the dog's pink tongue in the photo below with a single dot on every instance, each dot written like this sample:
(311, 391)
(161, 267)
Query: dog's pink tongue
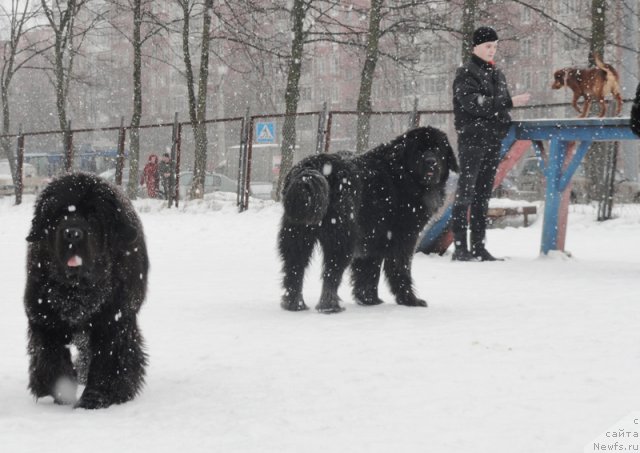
(74, 261)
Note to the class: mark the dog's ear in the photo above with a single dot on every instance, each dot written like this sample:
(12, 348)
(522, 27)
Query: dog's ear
(126, 224)
(128, 229)
(42, 218)
(38, 229)
(558, 78)
(120, 217)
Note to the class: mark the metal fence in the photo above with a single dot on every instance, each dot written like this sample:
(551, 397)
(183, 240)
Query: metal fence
(243, 154)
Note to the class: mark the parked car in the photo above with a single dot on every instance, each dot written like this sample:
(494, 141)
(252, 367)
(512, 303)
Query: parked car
(31, 182)
(213, 182)
(110, 175)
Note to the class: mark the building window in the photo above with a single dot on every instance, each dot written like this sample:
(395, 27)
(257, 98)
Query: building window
(335, 64)
(526, 15)
(568, 6)
(544, 47)
(571, 43)
(525, 47)
(434, 85)
(335, 93)
(433, 53)
(544, 80)
(305, 93)
(526, 80)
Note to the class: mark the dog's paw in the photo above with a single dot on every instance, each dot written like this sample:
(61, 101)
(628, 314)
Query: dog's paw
(93, 399)
(330, 304)
(413, 302)
(367, 301)
(293, 304)
(329, 309)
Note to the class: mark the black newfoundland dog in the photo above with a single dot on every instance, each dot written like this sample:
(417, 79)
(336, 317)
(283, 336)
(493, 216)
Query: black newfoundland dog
(86, 279)
(635, 113)
(363, 210)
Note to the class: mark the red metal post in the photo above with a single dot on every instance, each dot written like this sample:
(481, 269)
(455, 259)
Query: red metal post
(327, 139)
(176, 186)
(120, 156)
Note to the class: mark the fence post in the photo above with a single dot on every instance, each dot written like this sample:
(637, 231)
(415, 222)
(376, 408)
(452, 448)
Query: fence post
(320, 137)
(68, 145)
(327, 139)
(414, 119)
(173, 189)
(120, 155)
(247, 175)
(19, 165)
(242, 160)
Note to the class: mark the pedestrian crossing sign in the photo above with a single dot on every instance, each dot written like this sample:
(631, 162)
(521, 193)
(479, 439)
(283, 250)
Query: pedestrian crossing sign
(265, 132)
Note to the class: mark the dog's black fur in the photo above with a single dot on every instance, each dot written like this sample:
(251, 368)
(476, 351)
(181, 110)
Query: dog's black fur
(363, 210)
(635, 113)
(86, 280)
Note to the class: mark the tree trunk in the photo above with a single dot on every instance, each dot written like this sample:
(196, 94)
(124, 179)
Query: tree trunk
(134, 151)
(6, 142)
(200, 164)
(366, 79)
(595, 161)
(62, 23)
(468, 26)
(61, 100)
(292, 94)
(198, 106)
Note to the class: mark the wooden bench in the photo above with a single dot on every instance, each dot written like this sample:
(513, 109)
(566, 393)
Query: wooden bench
(525, 211)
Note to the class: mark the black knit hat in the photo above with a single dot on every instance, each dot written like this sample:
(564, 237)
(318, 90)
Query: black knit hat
(484, 34)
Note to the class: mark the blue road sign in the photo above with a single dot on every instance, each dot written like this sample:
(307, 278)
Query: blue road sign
(266, 132)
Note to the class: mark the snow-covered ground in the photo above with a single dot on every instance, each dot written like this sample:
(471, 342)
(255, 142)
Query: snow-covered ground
(533, 354)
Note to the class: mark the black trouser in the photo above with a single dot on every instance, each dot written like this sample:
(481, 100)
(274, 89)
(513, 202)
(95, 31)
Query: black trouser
(478, 164)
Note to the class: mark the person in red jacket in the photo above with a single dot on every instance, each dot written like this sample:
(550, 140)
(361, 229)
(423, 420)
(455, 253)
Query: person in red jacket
(149, 176)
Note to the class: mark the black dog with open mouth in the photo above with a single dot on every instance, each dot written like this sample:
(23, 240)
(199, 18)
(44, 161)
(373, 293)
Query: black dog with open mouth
(86, 280)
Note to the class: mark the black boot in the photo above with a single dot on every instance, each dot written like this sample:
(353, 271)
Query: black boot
(461, 252)
(477, 248)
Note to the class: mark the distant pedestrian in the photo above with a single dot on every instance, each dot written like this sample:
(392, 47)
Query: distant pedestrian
(164, 169)
(481, 104)
(149, 176)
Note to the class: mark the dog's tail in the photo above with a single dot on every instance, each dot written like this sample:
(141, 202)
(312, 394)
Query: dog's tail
(306, 197)
(606, 67)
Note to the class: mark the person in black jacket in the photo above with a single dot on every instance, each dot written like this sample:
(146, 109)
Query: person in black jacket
(635, 113)
(481, 104)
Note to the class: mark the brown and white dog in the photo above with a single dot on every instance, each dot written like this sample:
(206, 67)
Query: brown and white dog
(591, 84)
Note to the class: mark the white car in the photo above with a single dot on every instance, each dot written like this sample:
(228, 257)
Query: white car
(213, 182)
(31, 182)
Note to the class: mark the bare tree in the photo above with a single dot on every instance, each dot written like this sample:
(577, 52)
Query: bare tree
(600, 154)
(144, 26)
(197, 103)
(366, 78)
(61, 17)
(15, 55)
(292, 93)
(469, 13)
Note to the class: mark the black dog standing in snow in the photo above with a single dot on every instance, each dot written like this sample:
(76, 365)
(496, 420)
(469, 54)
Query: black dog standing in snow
(635, 113)
(86, 279)
(363, 210)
